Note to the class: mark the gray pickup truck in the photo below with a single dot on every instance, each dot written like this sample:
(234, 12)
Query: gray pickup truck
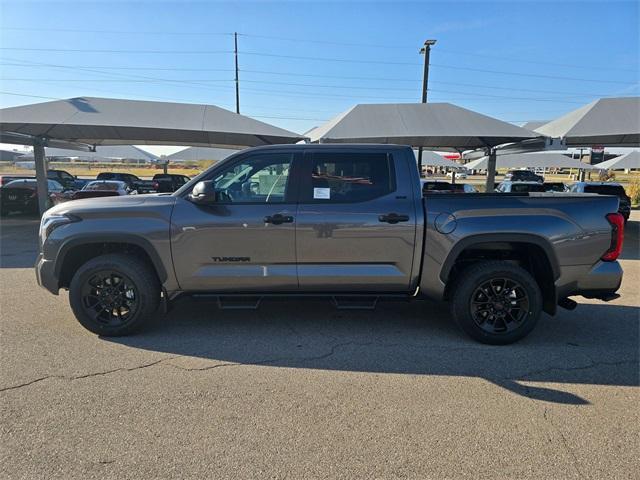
(348, 222)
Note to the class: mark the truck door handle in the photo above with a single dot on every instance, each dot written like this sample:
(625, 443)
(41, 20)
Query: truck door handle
(278, 218)
(393, 218)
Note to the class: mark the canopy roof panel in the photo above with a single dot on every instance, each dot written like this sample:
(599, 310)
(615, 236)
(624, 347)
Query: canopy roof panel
(193, 154)
(431, 125)
(623, 162)
(102, 152)
(612, 122)
(106, 121)
(531, 160)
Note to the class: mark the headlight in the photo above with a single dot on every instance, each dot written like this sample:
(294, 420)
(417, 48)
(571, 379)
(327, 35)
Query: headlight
(53, 221)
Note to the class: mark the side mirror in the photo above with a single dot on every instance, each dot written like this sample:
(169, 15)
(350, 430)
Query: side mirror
(204, 193)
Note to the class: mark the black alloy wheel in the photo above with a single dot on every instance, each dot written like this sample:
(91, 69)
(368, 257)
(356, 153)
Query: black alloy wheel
(110, 297)
(499, 305)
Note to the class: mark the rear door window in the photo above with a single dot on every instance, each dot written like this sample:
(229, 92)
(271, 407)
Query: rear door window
(349, 177)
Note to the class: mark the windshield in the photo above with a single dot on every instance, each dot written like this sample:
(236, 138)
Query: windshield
(93, 186)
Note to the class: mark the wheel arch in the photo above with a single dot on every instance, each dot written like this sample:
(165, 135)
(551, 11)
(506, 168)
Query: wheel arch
(534, 253)
(79, 250)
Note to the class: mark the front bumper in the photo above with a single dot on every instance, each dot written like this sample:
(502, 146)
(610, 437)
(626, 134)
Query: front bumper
(45, 274)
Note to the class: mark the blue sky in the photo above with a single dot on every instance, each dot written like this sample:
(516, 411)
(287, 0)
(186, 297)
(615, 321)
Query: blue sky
(304, 62)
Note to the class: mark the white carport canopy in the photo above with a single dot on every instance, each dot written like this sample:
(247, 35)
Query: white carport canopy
(106, 121)
(612, 122)
(437, 126)
(193, 154)
(102, 153)
(629, 160)
(429, 125)
(531, 160)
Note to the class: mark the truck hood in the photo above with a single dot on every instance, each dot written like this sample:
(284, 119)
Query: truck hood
(114, 205)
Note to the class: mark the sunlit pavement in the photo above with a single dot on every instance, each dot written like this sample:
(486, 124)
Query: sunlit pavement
(300, 390)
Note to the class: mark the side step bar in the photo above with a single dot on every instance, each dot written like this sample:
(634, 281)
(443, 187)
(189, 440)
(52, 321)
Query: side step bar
(355, 302)
(252, 302)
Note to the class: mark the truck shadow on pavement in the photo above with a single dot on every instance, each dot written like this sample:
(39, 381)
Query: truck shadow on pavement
(596, 344)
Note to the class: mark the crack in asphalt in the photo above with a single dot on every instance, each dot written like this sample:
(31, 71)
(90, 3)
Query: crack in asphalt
(591, 365)
(88, 375)
(323, 356)
(565, 443)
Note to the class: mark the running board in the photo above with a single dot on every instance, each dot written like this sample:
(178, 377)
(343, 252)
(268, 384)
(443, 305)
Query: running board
(355, 302)
(239, 303)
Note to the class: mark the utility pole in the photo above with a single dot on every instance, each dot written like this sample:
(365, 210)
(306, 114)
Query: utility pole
(425, 50)
(235, 52)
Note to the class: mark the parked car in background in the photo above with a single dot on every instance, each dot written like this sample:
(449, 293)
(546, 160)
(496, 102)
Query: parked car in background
(523, 176)
(134, 182)
(22, 195)
(442, 186)
(169, 182)
(520, 187)
(462, 175)
(94, 189)
(4, 179)
(65, 179)
(554, 187)
(463, 188)
(435, 186)
(606, 188)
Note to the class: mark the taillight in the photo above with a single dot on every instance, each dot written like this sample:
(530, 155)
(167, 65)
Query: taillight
(617, 237)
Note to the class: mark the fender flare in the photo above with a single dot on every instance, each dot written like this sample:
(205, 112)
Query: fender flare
(111, 238)
(472, 240)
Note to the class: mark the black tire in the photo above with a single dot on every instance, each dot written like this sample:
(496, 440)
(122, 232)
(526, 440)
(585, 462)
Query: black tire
(136, 294)
(496, 302)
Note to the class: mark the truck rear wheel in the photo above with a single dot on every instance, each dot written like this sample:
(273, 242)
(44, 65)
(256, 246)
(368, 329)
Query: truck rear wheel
(114, 294)
(496, 302)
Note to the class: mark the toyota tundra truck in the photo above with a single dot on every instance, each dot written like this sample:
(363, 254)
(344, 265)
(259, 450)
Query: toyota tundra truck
(348, 222)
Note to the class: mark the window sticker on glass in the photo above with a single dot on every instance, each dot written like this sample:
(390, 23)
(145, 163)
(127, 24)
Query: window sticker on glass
(322, 193)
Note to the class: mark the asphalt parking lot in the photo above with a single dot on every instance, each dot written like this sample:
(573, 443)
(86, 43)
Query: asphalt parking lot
(300, 390)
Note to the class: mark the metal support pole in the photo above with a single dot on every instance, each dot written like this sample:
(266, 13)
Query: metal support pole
(235, 52)
(491, 171)
(426, 50)
(165, 167)
(41, 175)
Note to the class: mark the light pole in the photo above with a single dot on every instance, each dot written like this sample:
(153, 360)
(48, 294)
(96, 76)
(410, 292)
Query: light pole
(425, 50)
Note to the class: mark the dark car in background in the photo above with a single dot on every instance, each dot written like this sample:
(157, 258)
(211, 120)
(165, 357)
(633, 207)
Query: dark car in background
(442, 186)
(22, 195)
(5, 179)
(606, 188)
(169, 182)
(64, 178)
(134, 182)
(520, 187)
(523, 176)
(95, 189)
(554, 187)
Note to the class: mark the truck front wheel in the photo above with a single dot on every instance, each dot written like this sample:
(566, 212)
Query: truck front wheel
(496, 302)
(114, 294)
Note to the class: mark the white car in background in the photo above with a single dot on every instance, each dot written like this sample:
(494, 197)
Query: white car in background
(462, 175)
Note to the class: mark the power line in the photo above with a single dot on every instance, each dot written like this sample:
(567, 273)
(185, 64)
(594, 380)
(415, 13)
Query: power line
(118, 32)
(324, 59)
(83, 50)
(294, 74)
